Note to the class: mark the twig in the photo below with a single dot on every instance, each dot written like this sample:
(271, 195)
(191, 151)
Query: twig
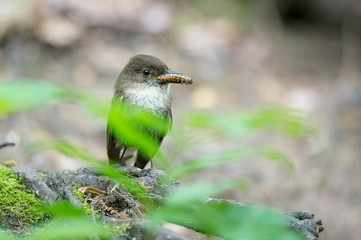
(7, 144)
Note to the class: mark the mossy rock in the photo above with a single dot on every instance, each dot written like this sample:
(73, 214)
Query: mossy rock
(19, 207)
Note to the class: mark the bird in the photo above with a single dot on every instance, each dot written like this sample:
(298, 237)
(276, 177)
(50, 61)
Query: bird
(141, 101)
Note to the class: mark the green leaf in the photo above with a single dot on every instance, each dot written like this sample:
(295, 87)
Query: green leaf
(19, 95)
(290, 122)
(102, 166)
(238, 125)
(189, 207)
(205, 161)
(137, 127)
(277, 156)
(63, 209)
(6, 235)
(69, 228)
(231, 124)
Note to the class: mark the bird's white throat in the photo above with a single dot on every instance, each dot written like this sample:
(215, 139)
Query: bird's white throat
(154, 97)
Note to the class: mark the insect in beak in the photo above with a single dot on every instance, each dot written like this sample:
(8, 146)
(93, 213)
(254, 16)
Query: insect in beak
(174, 77)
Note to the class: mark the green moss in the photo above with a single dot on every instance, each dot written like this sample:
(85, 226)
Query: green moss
(19, 207)
(117, 230)
(83, 198)
(42, 175)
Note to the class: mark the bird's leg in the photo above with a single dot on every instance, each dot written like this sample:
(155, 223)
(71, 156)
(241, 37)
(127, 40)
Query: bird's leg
(122, 162)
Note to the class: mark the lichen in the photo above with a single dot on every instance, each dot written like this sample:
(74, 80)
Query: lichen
(19, 207)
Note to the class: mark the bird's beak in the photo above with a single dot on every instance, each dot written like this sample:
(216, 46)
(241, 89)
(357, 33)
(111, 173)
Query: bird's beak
(174, 77)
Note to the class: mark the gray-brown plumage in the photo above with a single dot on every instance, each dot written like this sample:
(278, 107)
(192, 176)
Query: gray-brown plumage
(144, 85)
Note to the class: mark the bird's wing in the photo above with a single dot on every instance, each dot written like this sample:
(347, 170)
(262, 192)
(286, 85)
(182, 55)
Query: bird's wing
(114, 147)
(142, 161)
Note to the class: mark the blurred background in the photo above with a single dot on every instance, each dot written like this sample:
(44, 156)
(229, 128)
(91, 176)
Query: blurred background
(241, 54)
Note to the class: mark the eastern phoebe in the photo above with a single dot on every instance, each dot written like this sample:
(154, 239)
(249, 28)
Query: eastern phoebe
(141, 101)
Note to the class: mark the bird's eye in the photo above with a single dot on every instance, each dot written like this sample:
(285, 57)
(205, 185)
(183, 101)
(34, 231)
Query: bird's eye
(146, 72)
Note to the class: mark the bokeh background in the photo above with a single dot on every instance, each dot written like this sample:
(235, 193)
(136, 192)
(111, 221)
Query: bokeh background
(242, 55)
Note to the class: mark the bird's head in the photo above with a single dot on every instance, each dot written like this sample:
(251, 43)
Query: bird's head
(149, 70)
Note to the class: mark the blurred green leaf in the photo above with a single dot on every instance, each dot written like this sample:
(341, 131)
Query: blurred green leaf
(278, 157)
(95, 106)
(19, 95)
(189, 207)
(231, 124)
(67, 222)
(63, 209)
(134, 127)
(64, 147)
(205, 161)
(6, 235)
(102, 166)
(137, 127)
(68, 228)
(288, 121)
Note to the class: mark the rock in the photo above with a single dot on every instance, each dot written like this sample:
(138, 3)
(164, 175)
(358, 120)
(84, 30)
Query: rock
(116, 205)
(305, 223)
(34, 183)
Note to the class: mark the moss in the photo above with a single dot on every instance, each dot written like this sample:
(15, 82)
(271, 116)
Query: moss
(117, 230)
(19, 207)
(42, 175)
(83, 197)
